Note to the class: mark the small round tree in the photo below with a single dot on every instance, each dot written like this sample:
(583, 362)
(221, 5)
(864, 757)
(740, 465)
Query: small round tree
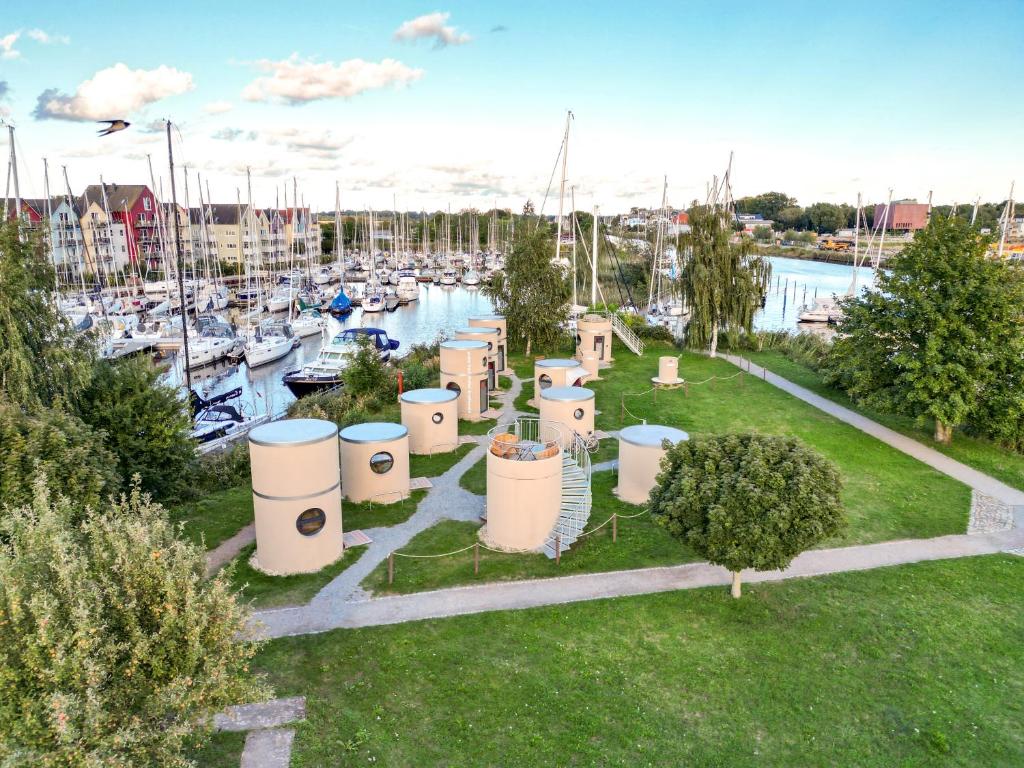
(114, 647)
(747, 501)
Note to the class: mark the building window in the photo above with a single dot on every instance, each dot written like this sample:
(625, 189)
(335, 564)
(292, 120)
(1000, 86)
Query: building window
(437, 418)
(578, 413)
(147, 203)
(382, 462)
(311, 521)
(545, 381)
(454, 387)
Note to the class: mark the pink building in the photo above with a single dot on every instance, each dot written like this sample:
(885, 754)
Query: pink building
(904, 215)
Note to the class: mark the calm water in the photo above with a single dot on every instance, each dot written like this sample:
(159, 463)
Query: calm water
(440, 309)
(443, 309)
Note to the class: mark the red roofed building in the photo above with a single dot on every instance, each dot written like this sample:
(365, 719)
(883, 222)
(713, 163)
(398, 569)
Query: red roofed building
(903, 216)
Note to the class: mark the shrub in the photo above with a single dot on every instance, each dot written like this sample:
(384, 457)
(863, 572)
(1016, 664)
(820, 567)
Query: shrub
(747, 501)
(223, 469)
(114, 646)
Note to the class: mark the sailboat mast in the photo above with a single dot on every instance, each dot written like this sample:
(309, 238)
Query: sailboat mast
(1006, 222)
(856, 249)
(179, 258)
(593, 263)
(561, 189)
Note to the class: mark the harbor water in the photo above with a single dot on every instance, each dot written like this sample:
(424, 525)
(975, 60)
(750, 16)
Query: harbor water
(796, 282)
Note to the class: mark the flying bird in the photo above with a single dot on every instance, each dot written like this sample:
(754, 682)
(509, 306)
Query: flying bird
(113, 126)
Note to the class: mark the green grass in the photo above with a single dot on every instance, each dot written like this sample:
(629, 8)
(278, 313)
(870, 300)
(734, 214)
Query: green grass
(525, 394)
(494, 404)
(223, 750)
(475, 427)
(983, 455)
(438, 464)
(504, 382)
(887, 494)
(474, 479)
(275, 591)
(918, 665)
(217, 517)
(640, 544)
(368, 514)
(607, 450)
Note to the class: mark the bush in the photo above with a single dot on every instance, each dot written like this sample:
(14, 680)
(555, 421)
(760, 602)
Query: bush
(114, 646)
(59, 445)
(639, 325)
(807, 349)
(223, 469)
(747, 501)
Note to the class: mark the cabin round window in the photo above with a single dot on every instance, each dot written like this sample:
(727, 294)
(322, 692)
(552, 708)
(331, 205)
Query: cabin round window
(454, 387)
(490, 345)
(545, 381)
(579, 340)
(311, 521)
(578, 413)
(382, 462)
(437, 418)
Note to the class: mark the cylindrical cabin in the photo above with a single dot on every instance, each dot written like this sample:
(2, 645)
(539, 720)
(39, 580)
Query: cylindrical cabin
(432, 418)
(594, 333)
(464, 371)
(556, 372)
(640, 452)
(591, 363)
(375, 462)
(489, 336)
(668, 370)
(296, 495)
(572, 408)
(524, 484)
(496, 321)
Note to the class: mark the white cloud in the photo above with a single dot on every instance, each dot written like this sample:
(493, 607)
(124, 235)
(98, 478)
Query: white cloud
(296, 81)
(41, 36)
(218, 107)
(114, 92)
(431, 26)
(7, 50)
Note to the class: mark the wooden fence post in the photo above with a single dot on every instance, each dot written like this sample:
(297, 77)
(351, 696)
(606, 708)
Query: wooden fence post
(615, 527)
(391, 568)
(558, 549)
(476, 558)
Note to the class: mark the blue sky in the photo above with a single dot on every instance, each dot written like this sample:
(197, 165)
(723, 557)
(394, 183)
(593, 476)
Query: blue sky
(818, 100)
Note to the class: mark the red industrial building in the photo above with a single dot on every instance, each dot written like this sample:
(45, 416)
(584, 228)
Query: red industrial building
(904, 216)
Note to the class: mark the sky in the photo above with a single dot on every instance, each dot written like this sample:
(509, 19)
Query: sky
(465, 104)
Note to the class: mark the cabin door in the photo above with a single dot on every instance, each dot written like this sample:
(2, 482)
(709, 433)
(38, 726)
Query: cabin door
(501, 357)
(491, 384)
(483, 395)
(599, 347)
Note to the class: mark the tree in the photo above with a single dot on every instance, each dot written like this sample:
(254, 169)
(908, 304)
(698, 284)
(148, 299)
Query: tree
(532, 292)
(763, 233)
(143, 423)
(826, 217)
(41, 357)
(114, 646)
(940, 337)
(768, 204)
(54, 443)
(747, 501)
(723, 282)
(790, 217)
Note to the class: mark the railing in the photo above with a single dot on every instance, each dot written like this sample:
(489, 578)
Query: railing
(525, 439)
(630, 339)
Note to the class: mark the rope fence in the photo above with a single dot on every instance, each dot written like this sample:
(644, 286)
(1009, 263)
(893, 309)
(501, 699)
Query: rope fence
(624, 411)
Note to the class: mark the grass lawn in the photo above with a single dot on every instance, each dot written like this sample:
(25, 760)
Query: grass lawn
(275, 591)
(608, 450)
(438, 464)
(983, 455)
(368, 514)
(525, 394)
(475, 427)
(640, 544)
(223, 750)
(474, 479)
(918, 665)
(504, 382)
(217, 517)
(887, 494)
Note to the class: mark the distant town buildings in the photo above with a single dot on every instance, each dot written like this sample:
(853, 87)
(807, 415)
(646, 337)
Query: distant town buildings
(752, 221)
(903, 216)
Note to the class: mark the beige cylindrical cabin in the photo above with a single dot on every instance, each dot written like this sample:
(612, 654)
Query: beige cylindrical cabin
(524, 485)
(489, 336)
(432, 418)
(556, 372)
(572, 408)
(640, 452)
(499, 322)
(296, 495)
(591, 363)
(464, 371)
(668, 371)
(594, 333)
(375, 462)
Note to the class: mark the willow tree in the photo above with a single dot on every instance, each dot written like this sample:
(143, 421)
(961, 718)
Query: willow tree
(723, 282)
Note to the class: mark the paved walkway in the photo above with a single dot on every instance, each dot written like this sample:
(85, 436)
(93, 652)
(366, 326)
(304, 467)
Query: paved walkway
(933, 458)
(228, 549)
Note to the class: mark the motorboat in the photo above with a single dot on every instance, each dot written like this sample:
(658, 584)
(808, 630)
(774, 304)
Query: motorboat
(309, 323)
(449, 276)
(326, 371)
(324, 276)
(269, 341)
(212, 418)
(471, 277)
(823, 310)
(408, 289)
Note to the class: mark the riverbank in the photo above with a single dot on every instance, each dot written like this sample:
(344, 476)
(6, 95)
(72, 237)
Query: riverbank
(815, 254)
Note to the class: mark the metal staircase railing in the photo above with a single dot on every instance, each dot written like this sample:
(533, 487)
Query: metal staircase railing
(633, 342)
(576, 497)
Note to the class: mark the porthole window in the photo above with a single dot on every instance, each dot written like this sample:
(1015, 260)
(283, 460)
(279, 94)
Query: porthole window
(311, 521)
(579, 340)
(578, 413)
(454, 387)
(437, 418)
(545, 381)
(382, 462)
(490, 346)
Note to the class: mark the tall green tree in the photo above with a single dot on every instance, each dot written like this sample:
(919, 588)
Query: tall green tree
(747, 501)
(41, 357)
(533, 292)
(723, 282)
(941, 337)
(768, 204)
(115, 648)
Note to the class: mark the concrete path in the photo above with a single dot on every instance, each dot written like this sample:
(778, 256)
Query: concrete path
(933, 458)
(503, 596)
(267, 745)
(228, 549)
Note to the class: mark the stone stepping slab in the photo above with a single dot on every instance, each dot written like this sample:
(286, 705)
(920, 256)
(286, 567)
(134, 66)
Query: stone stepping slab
(269, 714)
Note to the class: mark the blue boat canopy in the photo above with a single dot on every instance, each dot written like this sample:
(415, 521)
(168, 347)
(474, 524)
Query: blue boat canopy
(341, 302)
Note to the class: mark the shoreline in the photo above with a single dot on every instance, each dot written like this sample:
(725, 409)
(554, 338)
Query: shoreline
(810, 254)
